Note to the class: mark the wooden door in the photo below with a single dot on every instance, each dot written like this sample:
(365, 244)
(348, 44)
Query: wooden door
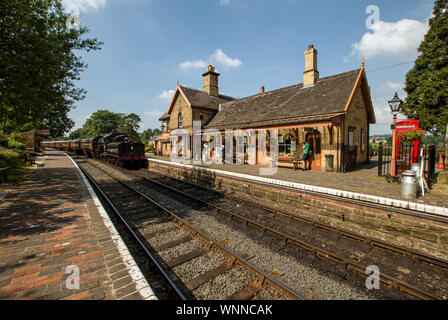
(315, 150)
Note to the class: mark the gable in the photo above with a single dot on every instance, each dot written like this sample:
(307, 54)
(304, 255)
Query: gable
(362, 91)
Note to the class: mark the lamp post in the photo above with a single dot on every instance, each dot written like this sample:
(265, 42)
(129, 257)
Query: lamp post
(394, 105)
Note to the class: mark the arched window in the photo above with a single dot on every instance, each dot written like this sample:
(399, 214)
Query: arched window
(179, 119)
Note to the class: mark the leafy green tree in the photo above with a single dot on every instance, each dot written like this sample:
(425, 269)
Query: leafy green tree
(427, 82)
(101, 122)
(129, 124)
(148, 133)
(104, 121)
(39, 65)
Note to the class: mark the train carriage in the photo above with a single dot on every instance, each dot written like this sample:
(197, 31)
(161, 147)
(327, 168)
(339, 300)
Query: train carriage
(117, 148)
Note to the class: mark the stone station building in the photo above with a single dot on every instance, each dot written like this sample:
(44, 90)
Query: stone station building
(333, 113)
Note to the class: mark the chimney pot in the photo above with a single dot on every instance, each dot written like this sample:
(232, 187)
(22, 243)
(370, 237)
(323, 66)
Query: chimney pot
(262, 89)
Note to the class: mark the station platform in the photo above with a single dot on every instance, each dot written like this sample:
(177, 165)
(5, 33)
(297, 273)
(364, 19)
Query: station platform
(57, 242)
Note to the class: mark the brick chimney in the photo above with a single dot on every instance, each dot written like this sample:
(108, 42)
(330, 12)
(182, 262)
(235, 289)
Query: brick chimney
(211, 81)
(311, 74)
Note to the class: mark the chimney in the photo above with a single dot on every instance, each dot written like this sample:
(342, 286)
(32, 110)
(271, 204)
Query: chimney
(211, 81)
(311, 74)
(262, 89)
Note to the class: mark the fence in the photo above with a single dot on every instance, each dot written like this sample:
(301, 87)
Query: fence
(406, 155)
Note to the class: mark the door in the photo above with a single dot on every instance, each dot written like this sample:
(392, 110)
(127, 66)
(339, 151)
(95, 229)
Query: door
(314, 139)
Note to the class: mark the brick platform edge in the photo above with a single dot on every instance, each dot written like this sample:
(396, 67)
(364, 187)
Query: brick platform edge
(427, 236)
(334, 192)
(124, 286)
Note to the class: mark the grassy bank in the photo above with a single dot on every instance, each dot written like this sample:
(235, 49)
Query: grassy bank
(12, 156)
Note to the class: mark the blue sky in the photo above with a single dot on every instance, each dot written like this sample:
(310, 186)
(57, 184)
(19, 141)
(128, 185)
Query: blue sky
(150, 44)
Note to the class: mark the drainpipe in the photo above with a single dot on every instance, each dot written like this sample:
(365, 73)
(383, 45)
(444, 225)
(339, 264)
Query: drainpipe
(342, 148)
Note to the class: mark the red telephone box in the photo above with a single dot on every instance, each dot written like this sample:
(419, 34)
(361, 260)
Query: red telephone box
(407, 150)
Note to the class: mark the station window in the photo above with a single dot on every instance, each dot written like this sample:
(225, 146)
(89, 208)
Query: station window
(284, 146)
(179, 120)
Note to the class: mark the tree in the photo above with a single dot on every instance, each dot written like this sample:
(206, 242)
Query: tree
(105, 121)
(148, 133)
(427, 82)
(129, 124)
(38, 65)
(101, 122)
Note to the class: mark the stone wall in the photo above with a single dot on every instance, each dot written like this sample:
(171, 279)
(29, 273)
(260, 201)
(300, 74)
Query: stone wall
(427, 236)
(357, 117)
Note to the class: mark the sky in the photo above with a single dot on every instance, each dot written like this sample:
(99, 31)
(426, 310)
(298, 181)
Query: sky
(149, 45)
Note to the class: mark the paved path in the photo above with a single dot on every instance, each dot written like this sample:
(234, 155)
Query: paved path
(363, 180)
(49, 223)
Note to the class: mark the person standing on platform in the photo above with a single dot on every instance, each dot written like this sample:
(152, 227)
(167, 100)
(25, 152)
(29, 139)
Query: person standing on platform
(306, 155)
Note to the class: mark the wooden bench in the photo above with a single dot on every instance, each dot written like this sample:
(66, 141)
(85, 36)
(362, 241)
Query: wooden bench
(298, 163)
(295, 160)
(5, 174)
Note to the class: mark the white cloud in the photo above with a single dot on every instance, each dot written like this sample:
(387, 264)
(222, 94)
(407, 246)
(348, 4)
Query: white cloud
(197, 64)
(398, 39)
(83, 5)
(166, 94)
(394, 85)
(224, 2)
(153, 113)
(218, 58)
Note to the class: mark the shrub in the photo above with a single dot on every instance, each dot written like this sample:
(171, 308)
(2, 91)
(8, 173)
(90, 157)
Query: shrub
(10, 158)
(3, 141)
(14, 144)
(19, 137)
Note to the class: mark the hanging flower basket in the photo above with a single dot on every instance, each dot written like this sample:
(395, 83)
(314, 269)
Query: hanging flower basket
(411, 135)
(288, 135)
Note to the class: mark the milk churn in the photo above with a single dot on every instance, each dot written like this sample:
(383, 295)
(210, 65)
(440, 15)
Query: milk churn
(409, 185)
(416, 167)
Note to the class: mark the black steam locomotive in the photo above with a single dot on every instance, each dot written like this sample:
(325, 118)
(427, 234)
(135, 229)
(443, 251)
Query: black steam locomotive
(117, 148)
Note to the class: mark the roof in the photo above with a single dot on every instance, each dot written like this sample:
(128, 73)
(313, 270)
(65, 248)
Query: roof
(328, 96)
(199, 98)
(164, 116)
(45, 132)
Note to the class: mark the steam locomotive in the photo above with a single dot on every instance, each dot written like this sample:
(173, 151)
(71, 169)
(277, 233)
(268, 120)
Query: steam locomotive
(116, 148)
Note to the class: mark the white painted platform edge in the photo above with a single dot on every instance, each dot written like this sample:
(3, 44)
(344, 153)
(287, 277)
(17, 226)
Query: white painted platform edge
(441, 211)
(134, 271)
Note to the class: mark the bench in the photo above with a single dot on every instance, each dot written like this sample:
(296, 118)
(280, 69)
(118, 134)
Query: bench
(296, 161)
(5, 174)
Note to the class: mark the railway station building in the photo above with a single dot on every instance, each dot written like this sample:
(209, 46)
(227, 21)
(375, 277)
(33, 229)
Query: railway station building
(332, 113)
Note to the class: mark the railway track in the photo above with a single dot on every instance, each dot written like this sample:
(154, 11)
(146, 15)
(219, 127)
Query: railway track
(409, 268)
(194, 265)
(352, 201)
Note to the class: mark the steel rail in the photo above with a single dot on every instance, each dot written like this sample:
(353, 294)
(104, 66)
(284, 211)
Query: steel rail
(378, 206)
(92, 181)
(317, 224)
(262, 275)
(386, 279)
